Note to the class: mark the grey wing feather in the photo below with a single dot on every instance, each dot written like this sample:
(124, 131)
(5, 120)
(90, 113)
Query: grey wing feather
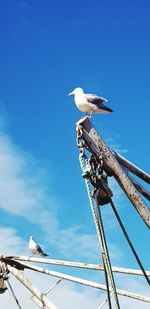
(94, 99)
(39, 248)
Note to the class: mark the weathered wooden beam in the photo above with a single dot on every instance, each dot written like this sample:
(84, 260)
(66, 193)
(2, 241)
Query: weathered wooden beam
(83, 282)
(140, 188)
(122, 270)
(132, 167)
(99, 148)
(47, 304)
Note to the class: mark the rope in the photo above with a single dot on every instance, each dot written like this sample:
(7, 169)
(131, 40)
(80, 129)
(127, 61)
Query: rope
(100, 232)
(13, 294)
(107, 282)
(106, 257)
(129, 242)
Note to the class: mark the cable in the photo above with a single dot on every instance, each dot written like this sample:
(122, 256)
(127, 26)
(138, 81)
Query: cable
(100, 232)
(107, 283)
(13, 294)
(129, 242)
(107, 259)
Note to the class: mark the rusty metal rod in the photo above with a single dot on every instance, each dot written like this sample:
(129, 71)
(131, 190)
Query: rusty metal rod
(82, 281)
(128, 271)
(97, 146)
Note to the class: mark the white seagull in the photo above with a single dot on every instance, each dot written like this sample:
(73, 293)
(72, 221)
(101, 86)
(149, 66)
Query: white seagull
(89, 103)
(35, 248)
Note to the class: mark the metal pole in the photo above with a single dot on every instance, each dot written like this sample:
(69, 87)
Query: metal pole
(122, 270)
(47, 304)
(77, 280)
(97, 146)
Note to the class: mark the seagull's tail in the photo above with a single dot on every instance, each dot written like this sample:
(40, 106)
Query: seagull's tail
(44, 254)
(105, 108)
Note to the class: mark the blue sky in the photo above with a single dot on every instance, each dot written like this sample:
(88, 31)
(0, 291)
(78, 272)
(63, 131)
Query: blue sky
(47, 49)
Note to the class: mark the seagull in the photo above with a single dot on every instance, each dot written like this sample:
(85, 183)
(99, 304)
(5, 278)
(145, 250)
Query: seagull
(89, 103)
(35, 248)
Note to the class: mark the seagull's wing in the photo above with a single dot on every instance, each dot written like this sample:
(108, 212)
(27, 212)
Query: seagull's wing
(98, 101)
(94, 99)
(39, 249)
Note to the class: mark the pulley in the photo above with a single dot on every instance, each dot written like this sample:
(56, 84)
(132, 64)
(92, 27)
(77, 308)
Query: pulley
(102, 193)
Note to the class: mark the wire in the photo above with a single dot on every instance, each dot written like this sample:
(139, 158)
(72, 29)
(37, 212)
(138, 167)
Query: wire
(129, 242)
(13, 294)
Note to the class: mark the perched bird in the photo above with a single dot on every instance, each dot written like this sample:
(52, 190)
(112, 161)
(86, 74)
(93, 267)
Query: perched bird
(89, 103)
(35, 248)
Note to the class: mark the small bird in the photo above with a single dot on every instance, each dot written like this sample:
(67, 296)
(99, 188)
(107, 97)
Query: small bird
(89, 103)
(35, 248)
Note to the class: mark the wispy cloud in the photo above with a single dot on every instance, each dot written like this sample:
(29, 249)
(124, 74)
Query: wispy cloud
(23, 188)
(24, 192)
(116, 146)
(10, 242)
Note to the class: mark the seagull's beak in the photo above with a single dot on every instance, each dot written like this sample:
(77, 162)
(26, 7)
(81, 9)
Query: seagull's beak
(70, 93)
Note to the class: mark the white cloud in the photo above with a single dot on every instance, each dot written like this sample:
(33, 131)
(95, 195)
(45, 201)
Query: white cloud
(111, 142)
(23, 188)
(11, 243)
(18, 188)
(136, 285)
(24, 193)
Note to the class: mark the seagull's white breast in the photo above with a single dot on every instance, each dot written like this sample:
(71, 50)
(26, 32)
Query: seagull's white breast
(32, 246)
(82, 104)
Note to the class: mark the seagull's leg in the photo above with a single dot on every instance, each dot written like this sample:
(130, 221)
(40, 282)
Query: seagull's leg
(90, 114)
